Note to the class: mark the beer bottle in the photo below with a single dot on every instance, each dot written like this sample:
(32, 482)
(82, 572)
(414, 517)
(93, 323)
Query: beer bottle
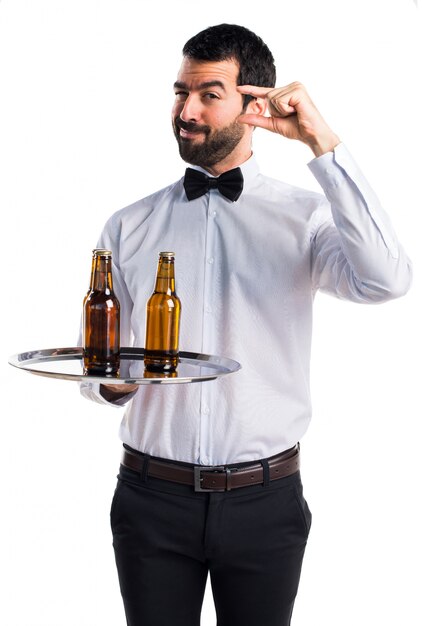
(163, 319)
(101, 320)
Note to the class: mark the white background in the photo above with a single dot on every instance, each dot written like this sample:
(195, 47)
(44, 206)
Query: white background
(86, 92)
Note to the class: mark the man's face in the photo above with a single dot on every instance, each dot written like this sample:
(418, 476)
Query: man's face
(205, 112)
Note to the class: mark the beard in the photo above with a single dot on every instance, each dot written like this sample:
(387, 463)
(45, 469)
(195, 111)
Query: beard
(215, 147)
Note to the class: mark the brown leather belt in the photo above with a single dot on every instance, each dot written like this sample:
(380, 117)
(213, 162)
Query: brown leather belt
(215, 477)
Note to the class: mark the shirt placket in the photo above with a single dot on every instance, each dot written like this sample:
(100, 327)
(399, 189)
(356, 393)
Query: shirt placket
(208, 328)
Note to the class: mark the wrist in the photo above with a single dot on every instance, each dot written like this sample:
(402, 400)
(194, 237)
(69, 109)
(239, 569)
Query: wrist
(323, 144)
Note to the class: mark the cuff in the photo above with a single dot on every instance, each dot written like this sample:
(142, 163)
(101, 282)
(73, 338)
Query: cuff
(91, 391)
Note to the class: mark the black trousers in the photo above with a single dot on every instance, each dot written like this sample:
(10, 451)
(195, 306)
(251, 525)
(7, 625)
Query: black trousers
(167, 538)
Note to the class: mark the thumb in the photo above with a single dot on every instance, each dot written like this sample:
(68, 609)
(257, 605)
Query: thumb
(256, 120)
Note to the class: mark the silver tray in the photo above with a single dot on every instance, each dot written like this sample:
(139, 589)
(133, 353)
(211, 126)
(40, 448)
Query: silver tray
(66, 364)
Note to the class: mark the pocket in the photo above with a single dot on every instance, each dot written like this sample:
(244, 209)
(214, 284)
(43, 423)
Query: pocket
(303, 507)
(116, 494)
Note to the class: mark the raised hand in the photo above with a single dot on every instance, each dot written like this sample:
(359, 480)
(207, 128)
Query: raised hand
(291, 114)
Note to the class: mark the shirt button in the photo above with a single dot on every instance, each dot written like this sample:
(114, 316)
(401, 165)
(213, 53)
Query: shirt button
(214, 213)
(206, 410)
(208, 309)
(211, 260)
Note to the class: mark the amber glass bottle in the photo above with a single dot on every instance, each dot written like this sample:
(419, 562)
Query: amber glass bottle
(163, 319)
(101, 320)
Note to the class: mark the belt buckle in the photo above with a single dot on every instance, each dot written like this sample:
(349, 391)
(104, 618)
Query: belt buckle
(206, 468)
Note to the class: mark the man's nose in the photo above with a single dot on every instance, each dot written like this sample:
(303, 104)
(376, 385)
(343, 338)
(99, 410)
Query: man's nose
(191, 109)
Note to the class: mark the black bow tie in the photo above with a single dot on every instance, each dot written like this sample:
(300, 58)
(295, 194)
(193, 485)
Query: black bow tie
(229, 184)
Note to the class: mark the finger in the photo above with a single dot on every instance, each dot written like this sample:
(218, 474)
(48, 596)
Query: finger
(278, 98)
(251, 90)
(261, 121)
(280, 102)
(288, 90)
(280, 108)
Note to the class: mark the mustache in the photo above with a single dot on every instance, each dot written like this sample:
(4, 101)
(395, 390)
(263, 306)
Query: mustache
(191, 127)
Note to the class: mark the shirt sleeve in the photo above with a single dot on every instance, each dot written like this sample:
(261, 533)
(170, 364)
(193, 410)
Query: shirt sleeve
(110, 240)
(355, 251)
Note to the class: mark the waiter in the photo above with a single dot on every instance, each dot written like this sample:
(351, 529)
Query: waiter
(209, 480)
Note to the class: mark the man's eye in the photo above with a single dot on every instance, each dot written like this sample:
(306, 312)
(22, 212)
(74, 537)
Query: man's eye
(211, 96)
(181, 95)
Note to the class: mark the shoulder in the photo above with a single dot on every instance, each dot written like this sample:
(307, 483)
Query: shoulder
(286, 190)
(140, 210)
(286, 195)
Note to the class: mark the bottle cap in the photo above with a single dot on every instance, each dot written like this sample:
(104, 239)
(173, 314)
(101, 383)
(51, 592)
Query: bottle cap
(101, 252)
(167, 255)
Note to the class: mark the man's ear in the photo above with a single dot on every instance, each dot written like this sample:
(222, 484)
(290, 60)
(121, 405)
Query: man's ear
(257, 106)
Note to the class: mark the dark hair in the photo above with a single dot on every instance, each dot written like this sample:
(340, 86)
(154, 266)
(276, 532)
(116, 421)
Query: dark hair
(230, 41)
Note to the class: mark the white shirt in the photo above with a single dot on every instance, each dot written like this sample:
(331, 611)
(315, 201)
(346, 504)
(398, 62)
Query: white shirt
(247, 273)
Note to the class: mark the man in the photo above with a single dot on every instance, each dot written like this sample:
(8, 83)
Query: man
(250, 256)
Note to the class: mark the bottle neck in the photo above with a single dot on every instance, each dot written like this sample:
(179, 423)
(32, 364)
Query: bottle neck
(165, 282)
(101, 275)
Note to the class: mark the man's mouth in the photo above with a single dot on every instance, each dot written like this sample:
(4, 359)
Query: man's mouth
(186, 134)
(188, 130)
